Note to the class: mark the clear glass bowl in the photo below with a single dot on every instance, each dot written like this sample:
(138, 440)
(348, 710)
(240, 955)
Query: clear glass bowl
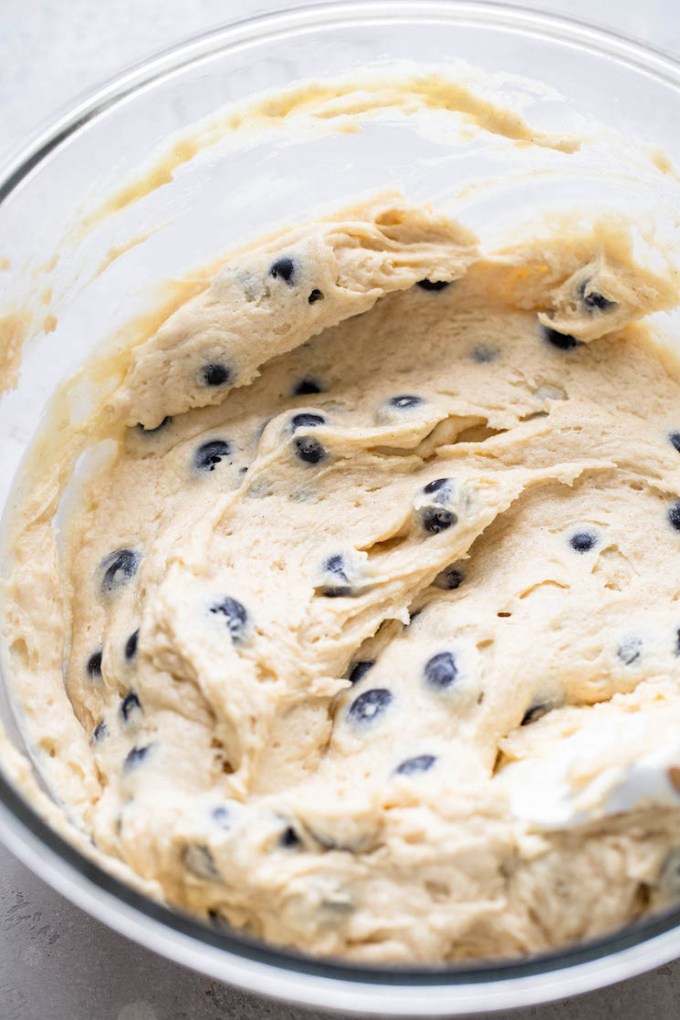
(82, 264)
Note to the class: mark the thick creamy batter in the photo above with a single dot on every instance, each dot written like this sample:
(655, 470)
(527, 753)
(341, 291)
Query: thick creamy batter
(365, 599)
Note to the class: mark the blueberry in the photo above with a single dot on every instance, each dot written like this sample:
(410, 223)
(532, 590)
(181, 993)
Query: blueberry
(369, 705)
(338, 584)
(131, 645)
(289, 837)
(135, 757)
(208, 455)
(306, 386)
(434, 284)
(484, 355)
(235, 614)
(564, 341)
(630, 651)
(421, 763)
(592, 301)
(674, 438)
(441, 670)
(336, 565)
(99, 730)
(441, 485)
(310, 450)
(283, 269)
(316, 295)
(535, 712)
(156, 428)
(222, 815)
(306, 420)
(450, 578)
(215, 374)
(359, 670)
(129, 703)
(94, 664)
(435, 519)
(674, 515)
(583, 541)
(405, 400)
(119, 568)
(677, 641)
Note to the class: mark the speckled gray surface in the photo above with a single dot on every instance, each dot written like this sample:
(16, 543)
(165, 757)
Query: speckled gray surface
(55, 962)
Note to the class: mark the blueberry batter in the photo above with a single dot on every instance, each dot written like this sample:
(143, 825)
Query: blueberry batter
(363, 595)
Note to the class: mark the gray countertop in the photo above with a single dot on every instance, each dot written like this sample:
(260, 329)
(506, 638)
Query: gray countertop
(56, 963)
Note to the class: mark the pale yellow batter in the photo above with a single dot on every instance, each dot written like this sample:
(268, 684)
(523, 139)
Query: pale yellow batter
(366, 595)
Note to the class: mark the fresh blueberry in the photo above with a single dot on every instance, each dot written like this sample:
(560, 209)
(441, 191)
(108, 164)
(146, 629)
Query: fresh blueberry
(316, 295)
(131, 645)
(99, 730)
(369, 705)
(283, 269)
(209, 455)
(337, 583)
(441, 670)
(309, 449)
(449, 579)
(563, 341)
(434, 284)
(405, 400)
(359, 670)
(677, 641)
(289, 837)
(535, 712)
(674, 515)
(307, 386)
(421, 763)
(156, 428)
(306, 420)
(235, 614)
(592, 301)
(94, 664)
(118, 568)
(221, 815)
(135, 757)
(440, 485)
(674, 438)
(436, 518)
(336, 565)
(129, 703)
(483, 354)
(630, 651)
(583, 541)
(215, 374)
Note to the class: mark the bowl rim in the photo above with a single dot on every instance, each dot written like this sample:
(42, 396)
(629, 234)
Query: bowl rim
(236, 958)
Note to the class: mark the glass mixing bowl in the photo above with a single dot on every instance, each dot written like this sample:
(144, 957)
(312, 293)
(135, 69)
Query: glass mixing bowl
(82, 252)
